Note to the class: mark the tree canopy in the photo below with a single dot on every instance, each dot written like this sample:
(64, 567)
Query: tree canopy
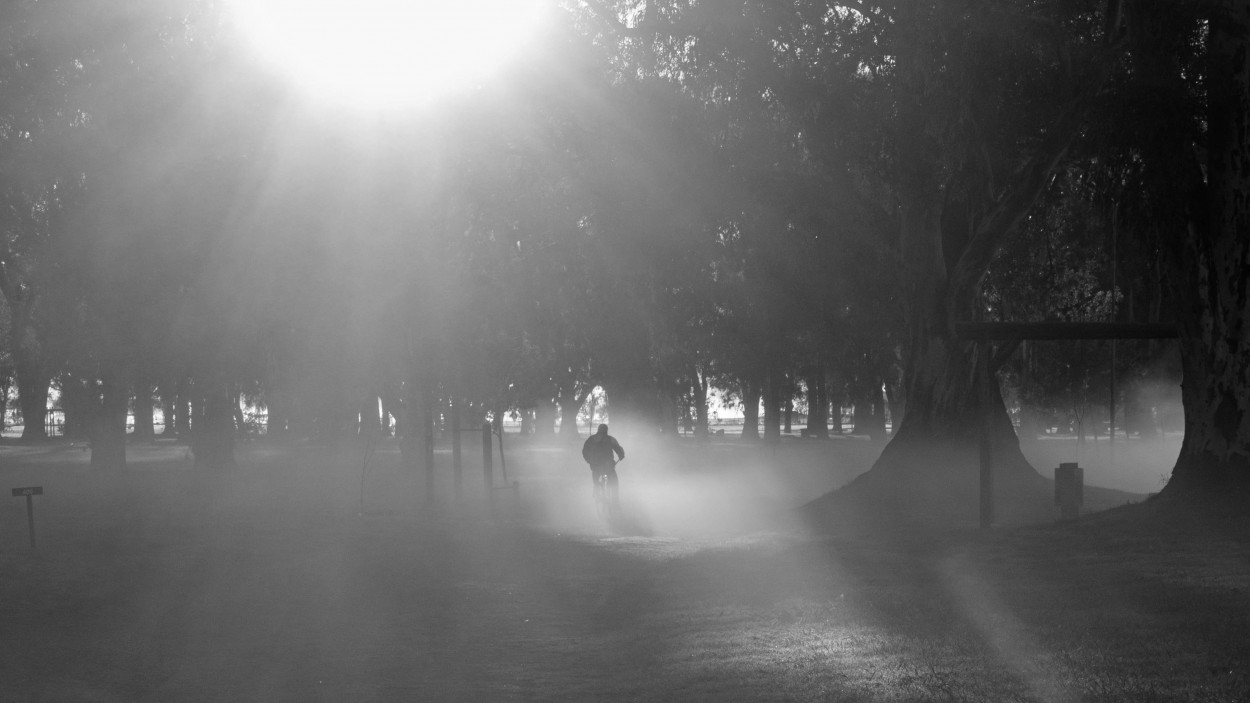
(792, 201)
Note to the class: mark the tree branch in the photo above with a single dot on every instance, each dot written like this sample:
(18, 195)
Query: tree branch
(1030, 180)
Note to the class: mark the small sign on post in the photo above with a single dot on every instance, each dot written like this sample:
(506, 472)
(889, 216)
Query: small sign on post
(30, 492)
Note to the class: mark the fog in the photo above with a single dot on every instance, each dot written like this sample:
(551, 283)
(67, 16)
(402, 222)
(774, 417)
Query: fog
(680, 489)
(273, 270)
(1140, 460)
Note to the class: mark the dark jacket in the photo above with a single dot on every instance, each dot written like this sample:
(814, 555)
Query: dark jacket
(602, 450)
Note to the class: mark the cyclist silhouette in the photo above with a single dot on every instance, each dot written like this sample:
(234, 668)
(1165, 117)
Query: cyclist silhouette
(601, 451)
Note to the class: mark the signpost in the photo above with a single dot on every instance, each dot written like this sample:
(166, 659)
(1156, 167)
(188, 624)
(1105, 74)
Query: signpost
(30, 492)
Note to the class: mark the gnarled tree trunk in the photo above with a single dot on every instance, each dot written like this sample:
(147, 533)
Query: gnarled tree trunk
(1211, 273)
(750, 410)
(772, 404)
(108, 425)
(33, 381)
(817, 406)
(212, 430)
(145, 412)
(699, 391)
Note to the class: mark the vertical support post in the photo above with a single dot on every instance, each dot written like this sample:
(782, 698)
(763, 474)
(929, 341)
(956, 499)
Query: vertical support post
(30, 492)
(987, 451)
(30, 517)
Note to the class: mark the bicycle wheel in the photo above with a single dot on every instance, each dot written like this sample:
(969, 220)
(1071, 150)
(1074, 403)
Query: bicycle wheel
(603, 498)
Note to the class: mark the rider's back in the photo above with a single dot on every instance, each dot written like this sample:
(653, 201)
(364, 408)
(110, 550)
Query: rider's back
(599, 450)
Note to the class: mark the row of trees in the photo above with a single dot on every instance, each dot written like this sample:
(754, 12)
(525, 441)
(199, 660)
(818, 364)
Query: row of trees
(668, 197)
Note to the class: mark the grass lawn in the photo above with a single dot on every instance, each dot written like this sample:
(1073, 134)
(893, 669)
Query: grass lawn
(288, 581)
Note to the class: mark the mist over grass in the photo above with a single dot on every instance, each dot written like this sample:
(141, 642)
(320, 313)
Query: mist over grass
(283, 581)
(683, 488)
(1136, 464)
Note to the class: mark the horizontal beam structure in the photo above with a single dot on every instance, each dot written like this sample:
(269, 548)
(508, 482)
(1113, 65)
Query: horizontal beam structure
(1014, 331)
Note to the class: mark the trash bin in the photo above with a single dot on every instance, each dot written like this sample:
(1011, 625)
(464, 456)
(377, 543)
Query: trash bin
(1069, 489)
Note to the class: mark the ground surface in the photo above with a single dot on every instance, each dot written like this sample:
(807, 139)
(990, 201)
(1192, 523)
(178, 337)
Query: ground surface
(285, 581)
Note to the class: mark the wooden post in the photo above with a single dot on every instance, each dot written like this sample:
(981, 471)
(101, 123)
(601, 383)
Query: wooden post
(987, 451)
(30, 493)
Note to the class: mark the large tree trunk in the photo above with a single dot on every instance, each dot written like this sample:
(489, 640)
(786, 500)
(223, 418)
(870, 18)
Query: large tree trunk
(951, 226)
(169, 408)
(370, 416)
(1211, 276)
(213, 432)
(750, 409)
(184, 398)
(108, 426)
(817, 406)
(145, 412)
(895, 403)
(4, 401)
(869, 416)
(238, 419)
(571, 403)
(700, 392)
(406, 429)
(835, 397)
(33, 381)
(545, 416)
(423, 416)
(77, 402)
(931, 466)
(772, 405)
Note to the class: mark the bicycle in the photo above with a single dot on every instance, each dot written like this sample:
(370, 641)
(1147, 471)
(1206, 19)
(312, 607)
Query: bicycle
(607, 496)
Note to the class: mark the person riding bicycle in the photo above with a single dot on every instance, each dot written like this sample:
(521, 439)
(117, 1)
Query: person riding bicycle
(602, 451)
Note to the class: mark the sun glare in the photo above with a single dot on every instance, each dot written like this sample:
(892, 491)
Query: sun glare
(379, 54)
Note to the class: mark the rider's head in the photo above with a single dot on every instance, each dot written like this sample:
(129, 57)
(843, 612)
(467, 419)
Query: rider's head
(603, 430)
